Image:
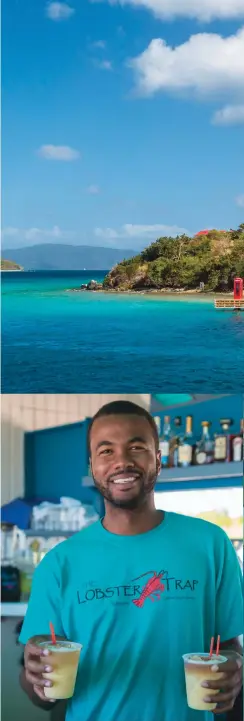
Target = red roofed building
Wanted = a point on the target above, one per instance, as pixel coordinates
(205, 232)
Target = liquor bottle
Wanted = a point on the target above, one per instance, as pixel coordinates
(186, 445)
(220, 447)
(237, 445)
(225, 425)
(157, 421)
(164, 442)
(175, 442)
(204, 452)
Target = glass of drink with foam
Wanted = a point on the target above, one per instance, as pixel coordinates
(197, 670)
(64, 659)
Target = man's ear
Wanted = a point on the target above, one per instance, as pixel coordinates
(158, 462)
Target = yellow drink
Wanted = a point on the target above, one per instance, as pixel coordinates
(197, 670)
(64, 659)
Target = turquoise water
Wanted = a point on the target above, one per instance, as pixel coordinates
(59, 342)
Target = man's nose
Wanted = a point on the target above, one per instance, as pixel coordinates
(123, 459)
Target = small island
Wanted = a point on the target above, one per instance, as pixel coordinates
(10, 265)
(202, 265)
(206, 263)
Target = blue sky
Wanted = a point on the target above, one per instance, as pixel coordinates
(121, 123)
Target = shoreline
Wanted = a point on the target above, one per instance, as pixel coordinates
(162, 294)
(11, 270)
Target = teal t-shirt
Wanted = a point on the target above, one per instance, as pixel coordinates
(137, 604)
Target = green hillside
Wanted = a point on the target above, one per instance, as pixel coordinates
(9, 265)
(183, 263)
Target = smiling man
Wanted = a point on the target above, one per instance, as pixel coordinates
(137, 589)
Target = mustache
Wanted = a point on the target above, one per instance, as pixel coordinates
(125, 472)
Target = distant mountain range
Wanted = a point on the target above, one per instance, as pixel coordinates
(50, 256)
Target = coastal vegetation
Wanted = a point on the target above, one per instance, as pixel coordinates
(213, 258)
(9, 265)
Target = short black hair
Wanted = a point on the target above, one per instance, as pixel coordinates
(123, 408)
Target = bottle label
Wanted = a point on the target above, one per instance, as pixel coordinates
(157, 420)
(237, 449)
(164, 448)
(176, 457)
(185, 454)
(201, 457)
(220, 449)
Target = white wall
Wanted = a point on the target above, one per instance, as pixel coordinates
(12, 461)
(30, 412)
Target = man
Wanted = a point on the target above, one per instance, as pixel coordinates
(138, 590)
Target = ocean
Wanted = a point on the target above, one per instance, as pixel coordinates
(60, 342)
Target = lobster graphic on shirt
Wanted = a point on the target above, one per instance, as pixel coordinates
(152, 589)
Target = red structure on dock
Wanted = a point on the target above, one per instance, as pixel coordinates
(237, 303)
(238, 288)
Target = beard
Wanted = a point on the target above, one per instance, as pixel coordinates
(146, 487)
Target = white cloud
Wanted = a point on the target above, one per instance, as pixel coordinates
(59, 11)
(108, 233)
(240, 201)
(205, 65)
(229, 115)
(139, 231)
(58, 152)
(205, 10)
(93, 189)
(133, 231)
(100, 44)
(105, 65)
(37, 233)
(54, 232)
(9, 232)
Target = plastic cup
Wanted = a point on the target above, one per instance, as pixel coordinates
(197, 670)
(64, 659)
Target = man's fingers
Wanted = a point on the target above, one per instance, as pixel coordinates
(35, 650)
(37, 680)
(223, 709)
(229, 666)
(38, 667)
(39, 692)
(224, 683)
(221, 698)
(41, 695)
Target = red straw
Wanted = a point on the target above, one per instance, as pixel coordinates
(211, 647)
(218, 643)
(52, 633)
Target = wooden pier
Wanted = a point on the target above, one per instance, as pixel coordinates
(229, 304)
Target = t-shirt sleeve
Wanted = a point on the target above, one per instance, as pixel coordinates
(45, 601)
(229, 597)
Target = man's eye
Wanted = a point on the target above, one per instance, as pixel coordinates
(105, 452)
(137, 448)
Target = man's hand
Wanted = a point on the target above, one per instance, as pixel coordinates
(35, 666)
(229, 685)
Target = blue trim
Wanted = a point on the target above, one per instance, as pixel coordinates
(197, 485)
(225, 406)
(85, 421)
(48, 448)
(214, 471)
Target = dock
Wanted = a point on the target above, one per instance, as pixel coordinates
(229, 304)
